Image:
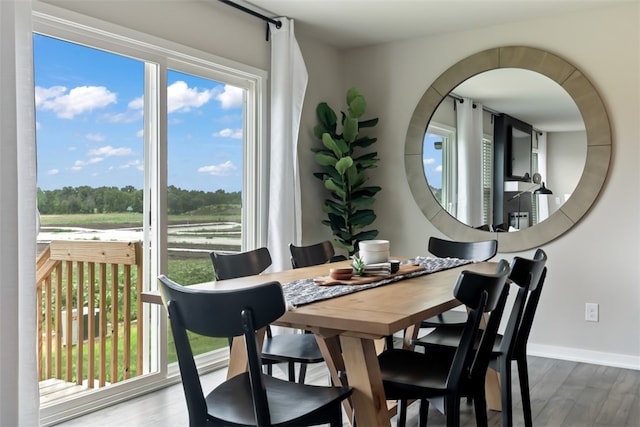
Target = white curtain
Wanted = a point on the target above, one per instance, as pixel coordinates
(542, 200)
(19, 397)
(288, 85)
(469, 135)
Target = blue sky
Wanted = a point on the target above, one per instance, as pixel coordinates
(89, 122)
(432, 160)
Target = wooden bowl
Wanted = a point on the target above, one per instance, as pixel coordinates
(341, 273)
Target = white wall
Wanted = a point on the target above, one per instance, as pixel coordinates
(598, 260)
(566, 155)
(208, 26)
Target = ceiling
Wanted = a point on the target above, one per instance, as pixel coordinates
(357, 23)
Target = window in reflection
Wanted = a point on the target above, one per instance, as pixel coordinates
(439, 160)
(487, 179)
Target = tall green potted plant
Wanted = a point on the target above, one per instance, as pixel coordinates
(343, 171)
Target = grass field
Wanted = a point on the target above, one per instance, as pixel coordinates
(129, 219)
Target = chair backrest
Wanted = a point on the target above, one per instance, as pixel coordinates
(522, 336)
(221, 313)
(231, 266)
(525, 274)
(478, 251)
(481, 293)
(304, 256)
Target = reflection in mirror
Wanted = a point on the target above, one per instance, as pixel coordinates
(519, 150)
(487, 139)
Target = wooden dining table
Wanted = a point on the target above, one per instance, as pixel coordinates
(350, 328)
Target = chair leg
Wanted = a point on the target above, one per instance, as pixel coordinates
(291, 367)
(402, 413)
(423, 414)
(480, 407)
(452, 410)
(523, 374)
(303, 373)
(507, 400)
(388, 342)
(337, 420)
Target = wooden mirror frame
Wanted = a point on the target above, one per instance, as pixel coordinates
(597, 162)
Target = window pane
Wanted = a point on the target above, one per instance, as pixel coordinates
(205, 176)
(433, 160)
(90, 179)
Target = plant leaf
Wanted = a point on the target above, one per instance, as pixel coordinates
(368, 123)
(327, 116)
(344, 164)
(353, 93)
(365, 235)
(364, 142)
(362, 202)
(331, 186)
(357, 106)
(353, 177)
(366, 191)
(336, 220)
(328, 142)
(350, 129)
(363, 217)
(325, 160)
(333, 207)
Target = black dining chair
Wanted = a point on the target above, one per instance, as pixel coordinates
(444, 376)
(281, 348)
(477, 251)
(305, 256)
(252, 398)
(528, 276)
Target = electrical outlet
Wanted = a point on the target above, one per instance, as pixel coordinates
(591, 312)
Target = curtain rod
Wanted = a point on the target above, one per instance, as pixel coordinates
(275, 22)
(487, 109)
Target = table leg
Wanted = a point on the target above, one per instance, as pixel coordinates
(238, 363)
(330, 348)
(363, 374)
(492, 390)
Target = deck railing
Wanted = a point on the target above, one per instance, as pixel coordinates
(89, 298)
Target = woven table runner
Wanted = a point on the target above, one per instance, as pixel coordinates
(306, 291)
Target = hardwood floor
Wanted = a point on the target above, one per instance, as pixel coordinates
(563, 394)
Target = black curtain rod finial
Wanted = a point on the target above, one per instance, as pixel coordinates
(277, 23)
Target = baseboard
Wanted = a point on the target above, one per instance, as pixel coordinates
(585, 356)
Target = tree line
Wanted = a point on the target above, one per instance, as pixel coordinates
(85, 199)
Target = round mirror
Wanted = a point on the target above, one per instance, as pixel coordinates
(524, 137)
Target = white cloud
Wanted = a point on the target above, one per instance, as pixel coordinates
(53, 172)
(95, 160)
(133, 164)
(231, 97)
(140, 133)
(182, 98)
(219, 170)
(109, 151)
(428, 161)
(95, 137)
(229, 133)
(78, 100)
(78, 165)
(439, 168)
(42, 94)
(136, 104)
